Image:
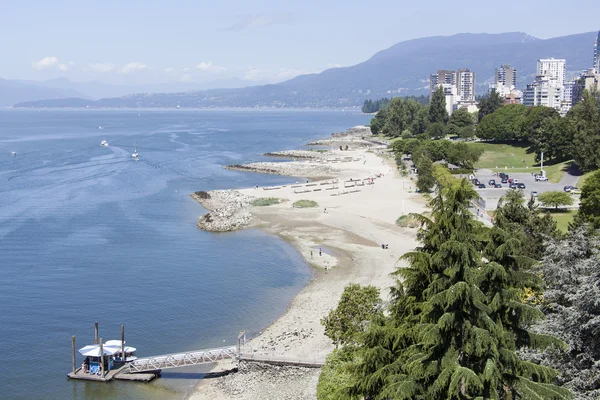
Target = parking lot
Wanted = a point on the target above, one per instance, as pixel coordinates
(491, 195)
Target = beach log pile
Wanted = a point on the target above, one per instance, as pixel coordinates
(296, 154)
(288, 168)
(229, 210)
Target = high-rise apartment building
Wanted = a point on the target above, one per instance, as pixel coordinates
(544, 91)
(506, 76)
(553, 68)
(465, 82)
(597, 54)
(443, 77)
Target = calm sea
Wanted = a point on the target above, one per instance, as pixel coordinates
(87, 234)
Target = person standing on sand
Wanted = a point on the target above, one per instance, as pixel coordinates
(325, 210)
(319, 251)
(311, 254)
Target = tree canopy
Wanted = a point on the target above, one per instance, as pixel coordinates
(555, 199)
(437, 107)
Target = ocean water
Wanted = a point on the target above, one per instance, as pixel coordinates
(87, 234)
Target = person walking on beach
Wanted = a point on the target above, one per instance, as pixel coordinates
(319, 251)
(325, 210)
(311, 254)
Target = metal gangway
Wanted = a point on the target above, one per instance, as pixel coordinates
(183, 359)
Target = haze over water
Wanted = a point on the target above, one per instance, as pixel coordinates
(87, 234)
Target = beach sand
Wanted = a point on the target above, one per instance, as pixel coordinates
(349, 229)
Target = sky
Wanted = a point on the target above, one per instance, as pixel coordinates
(152, 41)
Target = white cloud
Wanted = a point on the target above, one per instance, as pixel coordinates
(209, 67)
(51, 62)
(133, 67)
(185, 78)
(186, 70)
(169, 70)
(102, 68)
(260, 20)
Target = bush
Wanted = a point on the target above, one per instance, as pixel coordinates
(265, 201)
(407, 221)
(305, 204)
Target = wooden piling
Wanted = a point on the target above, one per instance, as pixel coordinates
(73, 353)
(123, 343)
(102, 358)
(95, 332)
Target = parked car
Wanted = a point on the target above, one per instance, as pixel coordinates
(515, 181)
(512, 186)
(575, 191)
(476, 182)
(541, 178)
(482, 186)
(504, 180)
(502, 175)
(521, 185)
(568, 188)
(498, 186)
(492, 182)
(534, 194)
(511, 180)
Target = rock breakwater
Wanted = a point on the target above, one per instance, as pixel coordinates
(291, 168)
(297, 154)
(229, 210)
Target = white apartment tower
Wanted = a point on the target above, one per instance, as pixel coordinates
(506, 76)
(554, 68)
(597, 54)
(465, 82)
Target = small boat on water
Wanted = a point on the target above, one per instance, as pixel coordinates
(13, 153)
(104, 143)
(100, 127)
(135, 154)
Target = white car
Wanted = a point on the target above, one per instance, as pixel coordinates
(541, 178)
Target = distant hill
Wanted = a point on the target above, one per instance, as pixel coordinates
(97, 90)
(12, 92)
(402, 69)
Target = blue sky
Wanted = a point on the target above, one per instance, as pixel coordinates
(151, 41)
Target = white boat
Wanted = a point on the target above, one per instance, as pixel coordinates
(135, 154)
(13, 153)
(104, 143)
(100, 127)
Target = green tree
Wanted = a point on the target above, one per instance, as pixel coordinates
(461, 118)
(585, 117)
(466, 132)
(589, 206)
(437, 107)
(490, 103)
(337, 379)
(503, 124)
(571, 305)
(359, 304)
(525, 222)
(555, 199)
(424, 165)
(436, 130)
(464, 155)
(444, 337)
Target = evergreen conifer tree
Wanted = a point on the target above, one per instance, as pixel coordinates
(446, 338)
(437, 107)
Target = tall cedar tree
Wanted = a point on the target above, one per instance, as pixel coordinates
(437, 107)
(589, 207)
(444, 338)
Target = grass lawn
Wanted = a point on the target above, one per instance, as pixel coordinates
(563, 218)
(514, 158)
(305, 204)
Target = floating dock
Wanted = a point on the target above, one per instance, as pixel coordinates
(119, 374)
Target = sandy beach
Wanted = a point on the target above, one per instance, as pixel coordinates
(341, 239)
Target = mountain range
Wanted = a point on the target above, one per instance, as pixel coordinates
(402, 69)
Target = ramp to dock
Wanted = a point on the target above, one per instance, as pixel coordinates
(182, 359)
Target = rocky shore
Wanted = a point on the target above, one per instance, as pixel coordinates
(265, 381)
(292, 168)
(229, 210)
(355, 131)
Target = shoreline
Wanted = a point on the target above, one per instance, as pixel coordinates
(341, 240)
